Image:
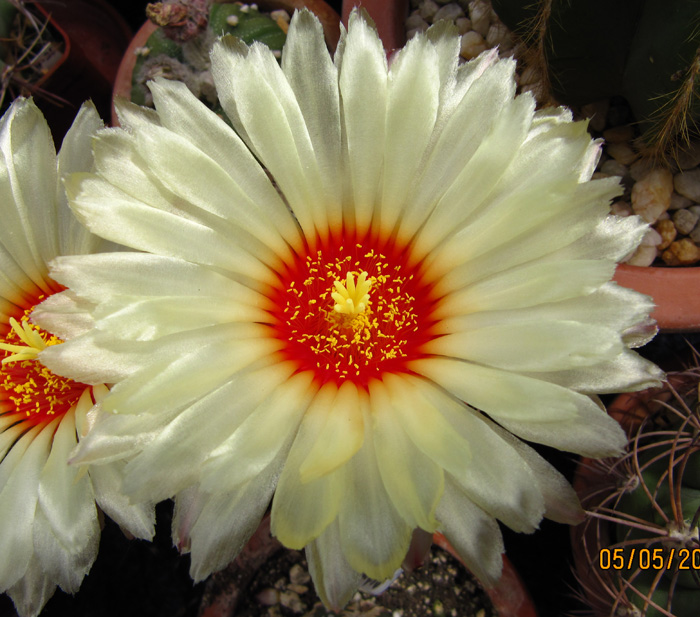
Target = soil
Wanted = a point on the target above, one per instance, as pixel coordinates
(440, 587)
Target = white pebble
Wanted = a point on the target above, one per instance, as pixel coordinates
(687, 183)
(245, 8)
(479, 14)
(448, 12)
(142, 51)
(622, 152)
(416, 22)
(472, 45)
(651, 238)
(614, 168)
(651, 195)
(464, 25)
(640, 167)
(644, 256)
(232, 20)
(621, 208)
(428, 9)
(499, 35)
(277, 53)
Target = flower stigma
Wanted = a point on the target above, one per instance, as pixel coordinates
(352, 310)
(26, 385)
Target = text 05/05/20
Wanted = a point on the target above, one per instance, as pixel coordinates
(632, 558)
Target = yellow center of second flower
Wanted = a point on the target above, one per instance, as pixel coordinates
(26, 385)
(352, 310)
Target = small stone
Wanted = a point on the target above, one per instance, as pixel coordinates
(695, 234)
(464, 24)
(472, 45)
(298, 575)
(681, 253)
(411, 33)
(678, 202)
(687, 183)
(695, 210)
(498, 36)
(479, 14)
(619, 134)
(428, 9)
(529, 76)
(621, 208)
(292, 601)
(689, 157)
(300, 589)
(597, 112)
(651, 195)
(667, 230)
(142, 51)
(268, 597)
(685, 221)
(651, 238)
(640, 168)
(622, 152)
(416, 22)
(644, 256)
(614, 168)
(448, 12)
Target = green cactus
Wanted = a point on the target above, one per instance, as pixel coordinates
(645, 50)
(650, 513)
(179, 49)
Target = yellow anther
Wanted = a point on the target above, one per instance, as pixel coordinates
(351, 298)
(33, 343)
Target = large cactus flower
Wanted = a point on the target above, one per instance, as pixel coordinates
(352, 305)
(49, 525)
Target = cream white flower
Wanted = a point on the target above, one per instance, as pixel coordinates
(363, 336)
(49, 527)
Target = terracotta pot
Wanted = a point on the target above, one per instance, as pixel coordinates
(95, 39)
(330, 21)
(676, 292)
(509, 597)
(388, 15)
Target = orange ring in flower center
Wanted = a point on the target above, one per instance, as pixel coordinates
(352, 309)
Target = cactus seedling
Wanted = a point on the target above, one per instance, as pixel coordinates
(179, 48)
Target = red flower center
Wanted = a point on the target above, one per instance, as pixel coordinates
(352, 309)
(27, 387)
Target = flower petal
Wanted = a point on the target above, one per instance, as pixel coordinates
(373, 535)
(363, 70)
(473, 533)
(334, 579)
(303, 508)
(413, 480)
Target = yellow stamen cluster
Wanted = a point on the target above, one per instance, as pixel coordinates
(352, 299)
(30, 386)
(329, 310)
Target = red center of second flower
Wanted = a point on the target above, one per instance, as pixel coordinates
(352, 309)
(27, 387)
